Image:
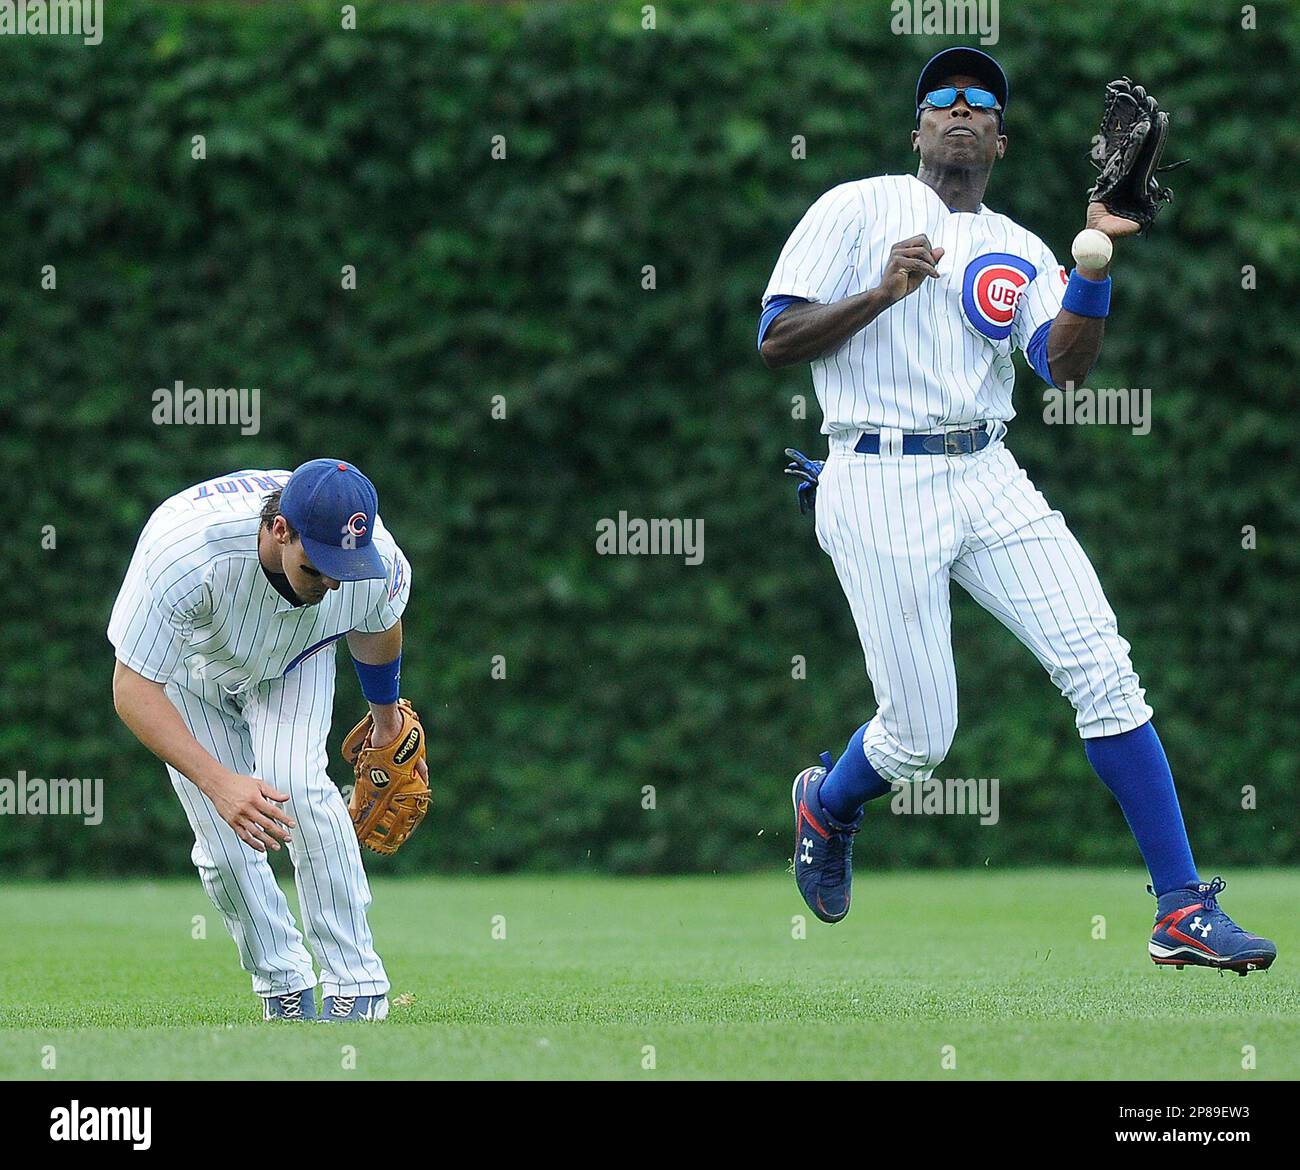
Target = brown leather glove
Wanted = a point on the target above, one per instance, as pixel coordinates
(389, 798)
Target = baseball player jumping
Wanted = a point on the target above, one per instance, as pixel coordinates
(907, 295)
(225, 630)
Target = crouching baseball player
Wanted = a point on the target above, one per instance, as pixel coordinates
(907, 295)
(225, 631)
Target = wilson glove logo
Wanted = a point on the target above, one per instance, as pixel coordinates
(378, 777)
(410, 745)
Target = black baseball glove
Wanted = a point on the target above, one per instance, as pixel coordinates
(1133, 133)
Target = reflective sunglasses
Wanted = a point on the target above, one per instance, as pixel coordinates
(947, 95)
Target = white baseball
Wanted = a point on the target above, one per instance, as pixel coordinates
(1092, 249)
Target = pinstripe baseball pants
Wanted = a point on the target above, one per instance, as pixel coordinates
(900, 527)
(279, 735)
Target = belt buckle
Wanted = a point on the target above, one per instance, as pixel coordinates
(952, 442)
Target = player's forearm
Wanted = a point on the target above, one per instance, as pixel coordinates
(1074, 340)
(376, 649)
(144, 707)
(1073, 346)
(807, 331)
(379, 650)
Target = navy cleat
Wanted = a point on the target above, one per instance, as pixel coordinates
(294, 1005)
(823, 847)
(354, 1007)
(1191, 928)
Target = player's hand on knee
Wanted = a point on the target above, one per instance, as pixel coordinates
(249, 806)
(910, 262)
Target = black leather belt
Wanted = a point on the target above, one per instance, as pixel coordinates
(947, 443)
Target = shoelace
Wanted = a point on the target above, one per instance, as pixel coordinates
(1210, 895)
(837, 852)
(1210, 900)
(291, 1004)
(343, 1005)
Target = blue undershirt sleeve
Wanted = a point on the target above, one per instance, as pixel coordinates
(773, 309)
(1036, 352)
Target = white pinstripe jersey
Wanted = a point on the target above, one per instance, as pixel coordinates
(942, 355)
(197, 609)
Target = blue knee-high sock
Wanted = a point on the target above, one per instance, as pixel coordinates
(852, 782)
(1133, 766)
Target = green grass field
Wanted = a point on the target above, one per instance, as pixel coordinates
(594, 973)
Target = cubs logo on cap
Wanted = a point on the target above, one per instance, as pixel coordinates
(332, 506)
(991, 289)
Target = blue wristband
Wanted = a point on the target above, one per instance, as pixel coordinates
(379, 684)
(1087, 298)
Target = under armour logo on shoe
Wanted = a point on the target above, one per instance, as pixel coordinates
(1204, 928)
(806, 855)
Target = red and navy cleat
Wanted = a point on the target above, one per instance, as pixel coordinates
(823, 848)
(1190, 928)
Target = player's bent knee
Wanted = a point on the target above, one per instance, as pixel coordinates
(920, 765)
(915, 757)
(1111, 713)
(1106, 704)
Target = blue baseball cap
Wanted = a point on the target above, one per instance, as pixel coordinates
(962, 60)
(333, 506)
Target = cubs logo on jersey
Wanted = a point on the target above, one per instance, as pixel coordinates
(991, 289)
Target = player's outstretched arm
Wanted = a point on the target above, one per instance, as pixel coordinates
(1123, 202)
(380, 650)
(245, 803)
(803, 332)
(1073, 345)
(1074, 341)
